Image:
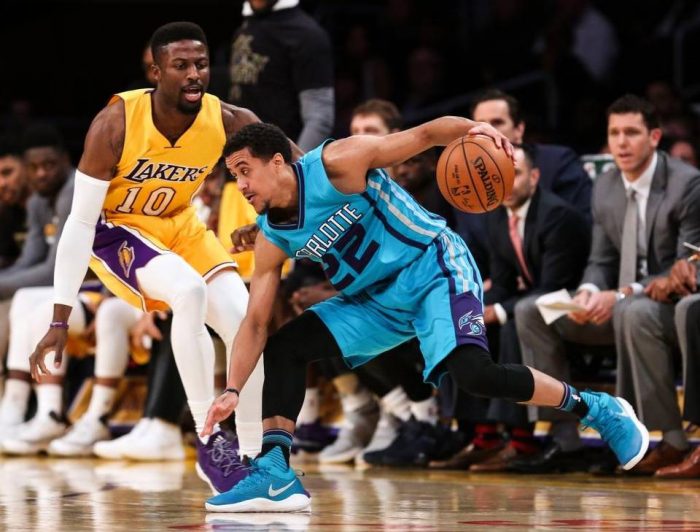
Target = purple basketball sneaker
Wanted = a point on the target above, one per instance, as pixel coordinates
(218, 463)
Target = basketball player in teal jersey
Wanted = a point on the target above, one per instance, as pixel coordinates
(401, 273)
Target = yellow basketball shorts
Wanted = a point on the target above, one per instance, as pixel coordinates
(125, 243)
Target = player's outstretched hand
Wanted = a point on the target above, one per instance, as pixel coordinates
(243, 238)
(54, 340)
(221, 408)
(499, 139)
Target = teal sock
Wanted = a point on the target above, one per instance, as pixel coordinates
(277, 438)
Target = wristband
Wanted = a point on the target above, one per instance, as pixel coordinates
(232, 390)
(58, 325)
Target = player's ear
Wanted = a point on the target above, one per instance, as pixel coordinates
(155, 70)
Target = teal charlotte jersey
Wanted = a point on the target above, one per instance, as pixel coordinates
(400, 271)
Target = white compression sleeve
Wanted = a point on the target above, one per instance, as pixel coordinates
(75, 246)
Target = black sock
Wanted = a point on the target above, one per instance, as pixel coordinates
(573, 402)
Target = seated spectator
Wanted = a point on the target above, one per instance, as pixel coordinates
(14, 192)
(643, 210)
(561, 171)
(683, 282)
(50, 177)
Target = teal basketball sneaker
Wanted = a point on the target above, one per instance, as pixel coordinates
(271, 486)
(615, 420)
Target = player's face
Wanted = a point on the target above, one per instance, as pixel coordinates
(371, 124)
(414, 173)
(182, 74)
(11, 179)
(631, 143)
(255, 177)
(497, 113)
(525, 182)
(47, 169)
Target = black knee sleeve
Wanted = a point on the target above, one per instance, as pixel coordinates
(475, 372)
(286, 355)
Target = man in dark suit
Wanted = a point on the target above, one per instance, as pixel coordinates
(531, 252)
(561, 171)
(643, 211)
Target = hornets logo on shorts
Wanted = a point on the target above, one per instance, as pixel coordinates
(475, 323)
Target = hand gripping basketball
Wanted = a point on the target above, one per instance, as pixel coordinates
(474, 174)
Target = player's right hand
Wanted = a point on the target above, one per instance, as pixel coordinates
(54, 340)
(243, 238)
(221, 408)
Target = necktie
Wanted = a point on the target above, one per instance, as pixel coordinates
(518, 245)
(628, 253)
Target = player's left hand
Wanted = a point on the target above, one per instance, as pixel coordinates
(499, 139)
(221, 408)
(54, 340)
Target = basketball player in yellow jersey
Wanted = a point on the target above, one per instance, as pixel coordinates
(146, 155)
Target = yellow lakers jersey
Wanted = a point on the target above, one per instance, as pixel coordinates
(235, 212)
(154, 177)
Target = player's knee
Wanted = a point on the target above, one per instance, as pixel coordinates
(476, 373)
(472, 369)
(191, 293)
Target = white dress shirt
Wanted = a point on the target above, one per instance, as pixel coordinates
(521, 212)
(641, 187)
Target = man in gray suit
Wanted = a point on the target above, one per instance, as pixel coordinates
(643, 211)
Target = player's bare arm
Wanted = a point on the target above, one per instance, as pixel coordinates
(348, 160)
(103, 146)
(104, 143)
(252, 335)
(237, 117)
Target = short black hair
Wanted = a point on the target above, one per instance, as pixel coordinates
(529, 151)
(176, 31)
(631, 103)
(498, 94)
(263, 141)
(9, 147)
(42, 135)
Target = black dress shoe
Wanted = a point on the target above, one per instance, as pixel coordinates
(551, 460)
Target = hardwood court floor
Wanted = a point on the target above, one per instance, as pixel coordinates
(76, 495)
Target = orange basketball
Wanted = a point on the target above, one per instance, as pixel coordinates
(474, 175)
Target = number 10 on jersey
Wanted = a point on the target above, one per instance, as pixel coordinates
(155, 205)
